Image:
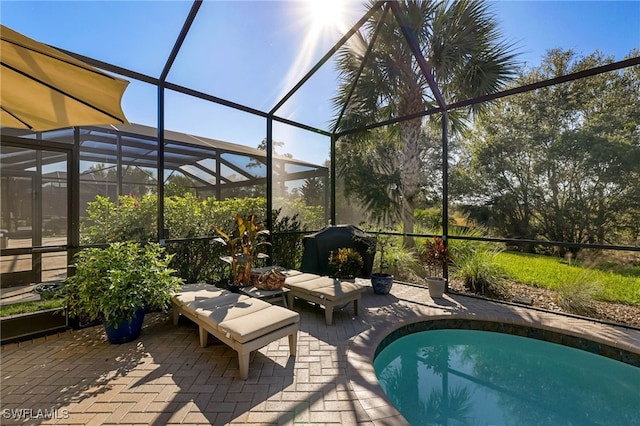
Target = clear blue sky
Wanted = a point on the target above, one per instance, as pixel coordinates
(253, 52)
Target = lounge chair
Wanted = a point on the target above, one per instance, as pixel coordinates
(322, 290)
(243, 323)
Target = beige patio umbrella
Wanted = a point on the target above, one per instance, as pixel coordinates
(42, 88)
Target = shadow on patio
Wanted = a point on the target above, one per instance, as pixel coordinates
(165, 377)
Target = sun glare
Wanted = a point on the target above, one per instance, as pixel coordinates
(324, 22)
(326, 13)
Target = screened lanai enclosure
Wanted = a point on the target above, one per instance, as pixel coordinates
(123, 159)
(116, 161)
(381, 114)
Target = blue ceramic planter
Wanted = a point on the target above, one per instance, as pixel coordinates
(381, 283)
(127, 330)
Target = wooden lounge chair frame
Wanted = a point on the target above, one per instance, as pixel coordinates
(322, 290)
(244, 349)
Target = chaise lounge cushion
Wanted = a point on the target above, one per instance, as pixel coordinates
(191, 292)
(325, 291)
(258, 323)
(335, 291)
(293, 278)
(216, 314)
(244, 323)
(313, 283)
(323, 287)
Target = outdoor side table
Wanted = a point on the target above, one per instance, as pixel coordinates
(267, 295)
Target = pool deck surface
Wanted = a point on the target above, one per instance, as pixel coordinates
(165, 377)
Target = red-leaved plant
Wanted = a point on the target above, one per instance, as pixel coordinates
(436, 254)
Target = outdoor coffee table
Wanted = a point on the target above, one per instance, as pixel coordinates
(266, 295)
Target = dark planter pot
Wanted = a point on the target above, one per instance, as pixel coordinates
(381, 283)
(126, 330)
(32, 325)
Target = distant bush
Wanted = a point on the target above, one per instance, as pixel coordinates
(188, 217)
(429, 218)
(474, 262)
(577, 295)
(286, 239)
(310, 218)
(128, 220)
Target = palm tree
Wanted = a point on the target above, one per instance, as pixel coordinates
(381, 79)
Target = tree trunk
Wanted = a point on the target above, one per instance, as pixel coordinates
(410, 170)
(408, 222)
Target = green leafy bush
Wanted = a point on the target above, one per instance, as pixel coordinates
(130, 220)
(187, 217)
(286, 239)
(391, 256)
(311, 218)
(429, 218)
(113, 283)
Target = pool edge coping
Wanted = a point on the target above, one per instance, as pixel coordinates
(363, 380)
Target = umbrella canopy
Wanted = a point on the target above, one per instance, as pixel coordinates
(43, 88)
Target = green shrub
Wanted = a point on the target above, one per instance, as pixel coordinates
(311, 218)
(402, 260)
(286, 239)
(429, 218)
(113, 283)
(187, 217)
(130, 220)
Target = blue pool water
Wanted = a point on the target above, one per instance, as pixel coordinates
(460, 377)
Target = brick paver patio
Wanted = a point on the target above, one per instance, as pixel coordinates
(166, 378)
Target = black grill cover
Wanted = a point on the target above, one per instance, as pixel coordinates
(318, 246)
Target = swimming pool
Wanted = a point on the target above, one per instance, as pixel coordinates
(462, 376)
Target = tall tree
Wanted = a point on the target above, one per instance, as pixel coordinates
(462, 45)
(562, 162)
(312, 191)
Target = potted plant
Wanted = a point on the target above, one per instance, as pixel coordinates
(117, 283)
(243, 244)
(345, 263)
(390, 256)
(435, 257)
(382, 279)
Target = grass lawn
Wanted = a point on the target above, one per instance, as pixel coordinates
(26, 307)
(619, 283)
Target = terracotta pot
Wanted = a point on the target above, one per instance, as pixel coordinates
(436, 286)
